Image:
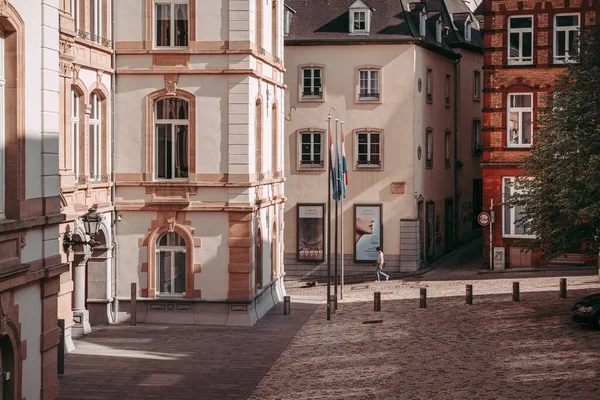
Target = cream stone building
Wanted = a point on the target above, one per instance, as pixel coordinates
(199, 161)
(404, 77)
(85, 162)
(29, 199)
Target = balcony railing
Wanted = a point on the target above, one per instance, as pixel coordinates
(93, 38)
(262, 51)
(277, 60)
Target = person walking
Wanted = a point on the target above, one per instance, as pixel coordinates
(379, 264)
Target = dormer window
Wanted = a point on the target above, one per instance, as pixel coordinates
(287, 19)
(438, 30)
(422, 22)
(360, 18)
(468, 30)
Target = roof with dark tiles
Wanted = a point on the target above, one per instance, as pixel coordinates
(392, 21)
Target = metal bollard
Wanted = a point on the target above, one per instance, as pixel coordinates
(133, 303)
(469, 299)
(61, 347)
(332, 303)
(423, 301)
(563, 288)
(377, 301)
(286, 305)
(516, 291)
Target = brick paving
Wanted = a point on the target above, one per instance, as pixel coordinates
(493, 349)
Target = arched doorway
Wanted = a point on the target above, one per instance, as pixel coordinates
(274, 252)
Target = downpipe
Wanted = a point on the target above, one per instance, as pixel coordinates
(115, 252)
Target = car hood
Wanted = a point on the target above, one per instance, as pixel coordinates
(589, 300)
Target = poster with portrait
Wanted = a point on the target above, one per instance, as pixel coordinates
(310, 244)
(368, 232)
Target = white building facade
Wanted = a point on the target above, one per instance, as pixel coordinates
(199, 160)
(29, 199)
(390, 72)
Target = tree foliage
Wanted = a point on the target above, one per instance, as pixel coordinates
(561, 194)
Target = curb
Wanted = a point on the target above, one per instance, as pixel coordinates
(540, 269)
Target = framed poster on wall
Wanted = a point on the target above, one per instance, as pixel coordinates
(368, 232)
(310, 235)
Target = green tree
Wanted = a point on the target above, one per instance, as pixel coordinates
(560, 197)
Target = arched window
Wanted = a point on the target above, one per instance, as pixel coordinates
(2, 116)
(259, 23)
(275, 29)
(171, 116)
(75, 103)
(170, 264)
(275, 141)
(95, 137)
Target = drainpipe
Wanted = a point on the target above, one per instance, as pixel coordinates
(456, 110)
(112, 164)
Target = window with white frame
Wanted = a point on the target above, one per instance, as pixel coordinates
(447, 91)
(95, 137)
(170, 265)
(512, 216)
(520, 114)
(447, 144)
(476, 85)
(171, 23)
(75, 13)
(172, 140)
(520, 40)
(312, 83)
(422, 24)
(368, 84)
(311, 149)
(368, 149)
(96, 20)
(566, 35)
(468, 26)
(429, 148)
(476, 135)
(438, 30)
(359, 21)
(429, 86)
(75, 133)
(287, 18)
(2, 128)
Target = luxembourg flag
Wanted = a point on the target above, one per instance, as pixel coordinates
(334, 174)
(344, 177)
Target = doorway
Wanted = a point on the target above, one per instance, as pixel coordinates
(448, 225)
(429, 230)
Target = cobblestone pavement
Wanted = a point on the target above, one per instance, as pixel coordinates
(178, 362)
(493, 349)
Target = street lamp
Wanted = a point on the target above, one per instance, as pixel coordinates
(91, 221)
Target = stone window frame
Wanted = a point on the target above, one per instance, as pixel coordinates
(275, 29)
(429, 86)
(84, 95)
(476, 137)
(422, 23)
(476, 85)
(447, 148)
(150, 26)
(311, 167)
(95, 137)
(14, 122)
(172, 249)
(312, 98)
(468, 30)
(447, 90)
(275, 171)
(150, 167)
(429, 148)
(368, 167)
(152, 243)
(370, 99)
(174, 123)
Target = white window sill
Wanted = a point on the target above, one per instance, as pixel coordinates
(564, 61)
(518, 146)
(519, 62)
(170, 48)
(507, 236)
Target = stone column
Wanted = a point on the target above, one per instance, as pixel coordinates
(80, 314)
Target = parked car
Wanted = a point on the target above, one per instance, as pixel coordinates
(587, 310)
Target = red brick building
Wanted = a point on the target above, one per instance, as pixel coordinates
(526, 45)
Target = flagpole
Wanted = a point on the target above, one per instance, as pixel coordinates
(337, 186)
(329, 175)
(342, 223)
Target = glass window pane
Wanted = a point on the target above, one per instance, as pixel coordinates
(164, 271)
(523, 22)
(306, 72)
(179, 278)
(560, 43)
(317, 73)
(163, 24)
(573, 45)
(519, 214)
(514, 45)
(181, 156)
(181, 25)
(526, 127)
(163, 146)
(527, 45)
(305, 138)
(172, 108)
(567, 20)
(513, 127)
(362, 138)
